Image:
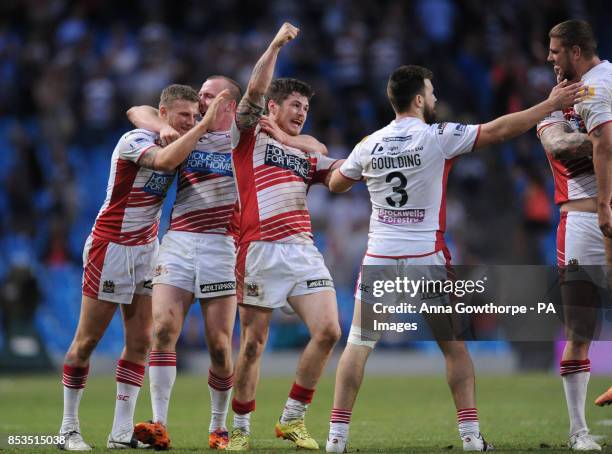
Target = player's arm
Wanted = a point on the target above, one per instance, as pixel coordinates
(147, 117)
(602, 162)
(514, 124)
(170, 157)
(302, 142)
(562, 142)
(251, 106)
(338, 182)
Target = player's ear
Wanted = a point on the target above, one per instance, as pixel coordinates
(163, 111)
(272, 107)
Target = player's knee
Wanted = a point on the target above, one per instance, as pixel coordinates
(253, 348)
(328, 335)
(165, 334)
(453, 348)
(81, 349)
(219, 354)
(362, 337)
(139, 345)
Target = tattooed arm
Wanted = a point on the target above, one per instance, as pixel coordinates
(252, 105)
(562, 142)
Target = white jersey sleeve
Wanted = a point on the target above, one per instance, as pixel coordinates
(455, 139)
(134, 144)
(555, 117)
(596, 109)
(352, 168)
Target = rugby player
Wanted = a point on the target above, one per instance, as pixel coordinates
(573, 52)
(579, 241)
(277, 262)
(406, 165)
(117, 262)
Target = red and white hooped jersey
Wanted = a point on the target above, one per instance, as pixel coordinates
(272, 181)
(574, 178)
(206, 192)
(406, 165)
(134, 195)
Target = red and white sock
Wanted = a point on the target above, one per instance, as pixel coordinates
(162, 374)
(575, 375)
(242, 414)
(129, 378)
(220, 392)
(74, 380)
(297, 403)
(467, 422)
(339, 423)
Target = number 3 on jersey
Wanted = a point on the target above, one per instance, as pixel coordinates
(399, 189)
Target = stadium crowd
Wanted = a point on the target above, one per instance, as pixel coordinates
(70, 69)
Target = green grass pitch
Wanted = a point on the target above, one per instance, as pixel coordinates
(393, 414)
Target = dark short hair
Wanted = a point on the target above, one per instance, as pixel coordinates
(280, 89)
(404, 84)
(175, 91)
(233, 86)
(576, 33)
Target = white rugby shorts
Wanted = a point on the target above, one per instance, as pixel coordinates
(200, 263)
(114, 272)
(268, 273)
(581, 242)
(433, 266)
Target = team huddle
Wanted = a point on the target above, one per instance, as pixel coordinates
(240, 238)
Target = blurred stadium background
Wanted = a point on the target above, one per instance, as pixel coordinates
(70, 69)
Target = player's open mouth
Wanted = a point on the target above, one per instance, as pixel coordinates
(296, 123)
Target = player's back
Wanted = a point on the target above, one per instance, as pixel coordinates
(406, 165)
(206, 190)
(134, 194)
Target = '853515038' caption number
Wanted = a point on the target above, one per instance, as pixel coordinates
(29, 440)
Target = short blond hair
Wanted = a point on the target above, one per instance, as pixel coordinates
(176, 91)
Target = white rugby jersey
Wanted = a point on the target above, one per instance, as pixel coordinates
(134, 195)
(574, 178)
(406, 165)
(596, 110)
(272, 181)
(206, 191)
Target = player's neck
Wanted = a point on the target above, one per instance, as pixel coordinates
(410, 114)
(586, 65)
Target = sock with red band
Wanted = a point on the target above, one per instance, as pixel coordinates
(575, 375)
(467, 422)
(339, 423)
(220, 392)
(129, 378)
(162, 374)
(297, 403)
(74, 380)
(242, 414)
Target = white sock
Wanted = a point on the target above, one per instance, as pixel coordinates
(125, 404)
(219, 405)
(575, 386)
(162, 380)
(243, 422)
(338, 430)
(72, 399)
(468, 428)
(294, 409)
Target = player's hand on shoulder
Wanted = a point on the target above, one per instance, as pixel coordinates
(270, 127)
(564, 95)
(167, 135)
(286, 33)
